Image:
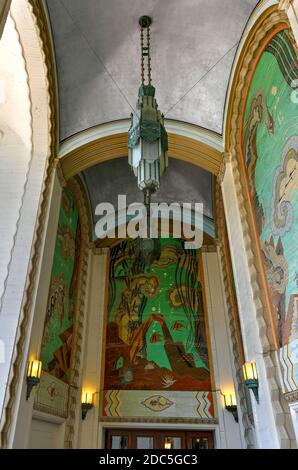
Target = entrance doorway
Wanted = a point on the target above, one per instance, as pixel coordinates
(158, 439)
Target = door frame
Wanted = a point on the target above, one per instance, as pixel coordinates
(103, 426)
(158, 435)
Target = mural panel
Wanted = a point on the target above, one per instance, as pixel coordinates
(156, 338)
(270, 148)
(59, 323)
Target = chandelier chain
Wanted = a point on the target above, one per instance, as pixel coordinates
(145, 53)
(142, 57)
(149, 56)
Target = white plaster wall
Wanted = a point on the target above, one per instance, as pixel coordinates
(46, 432)
(230, 433)
(294, 416)
(15, 155)
(15, 143)
(31, 183)
(266, 432)
(24, 409)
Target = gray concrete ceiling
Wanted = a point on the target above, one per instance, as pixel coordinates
(182, 182)
(97, 53)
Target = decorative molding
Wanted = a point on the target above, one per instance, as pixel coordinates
(291, 397)
(59, 173)
(39, 18)
(226, 157)
(158, 420)
(100, 251)
(284, 5)
(81, 153)
(245, 56)
(208, 248)
(270, 23)
(172, 126)
(77, 362)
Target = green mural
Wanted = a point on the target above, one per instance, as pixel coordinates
(156, 335)
(270, 149)
(58, 330)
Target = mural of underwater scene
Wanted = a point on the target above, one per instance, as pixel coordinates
(156, 338)
(270, 149)
(59, 322)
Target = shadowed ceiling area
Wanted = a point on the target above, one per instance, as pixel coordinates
(98, 58)
(182, 182)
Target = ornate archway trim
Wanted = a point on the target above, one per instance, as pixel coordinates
(269, 23)
(242, 62)
(94, 147)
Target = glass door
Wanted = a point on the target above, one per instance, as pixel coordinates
(158, 439)
(172, 440)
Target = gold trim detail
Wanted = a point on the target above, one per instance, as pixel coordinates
(115, 146)
(291, 397)
(226, 157)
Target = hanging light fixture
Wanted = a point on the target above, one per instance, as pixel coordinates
(147, 137)
(147, 144)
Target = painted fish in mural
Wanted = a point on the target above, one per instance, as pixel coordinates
(177, 326)
(270, 123)
(118, 363)
(126, 377)
(150, 366)
(156, 338)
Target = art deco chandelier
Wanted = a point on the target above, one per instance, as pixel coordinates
(147, 144)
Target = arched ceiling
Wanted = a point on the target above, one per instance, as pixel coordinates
(181, 183)
(97, 53)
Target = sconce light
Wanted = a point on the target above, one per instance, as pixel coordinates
(231, 405)
(87, 403)
(33, 376)
(251, 378)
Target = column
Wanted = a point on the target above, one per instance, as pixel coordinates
(231, 433)
(93, 368)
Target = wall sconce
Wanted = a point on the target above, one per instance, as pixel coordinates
(251, 378)
(33, 376)
(87, 403)
(231, 405)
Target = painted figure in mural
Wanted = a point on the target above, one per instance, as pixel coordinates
(155, 333)
(270, 148)
(58, 330)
